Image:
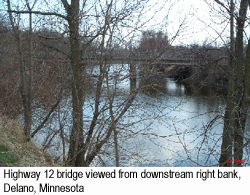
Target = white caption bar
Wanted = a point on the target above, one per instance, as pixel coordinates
(125, 180)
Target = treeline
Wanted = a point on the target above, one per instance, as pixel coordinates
(49, 70)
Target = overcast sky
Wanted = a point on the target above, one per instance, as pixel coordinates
(200, 23)
(191, 20)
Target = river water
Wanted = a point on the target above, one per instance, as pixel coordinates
(183, 127)
(174, 124)
(169, 124)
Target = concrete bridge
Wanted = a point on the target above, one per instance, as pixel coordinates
(144, 60)
(166, 61)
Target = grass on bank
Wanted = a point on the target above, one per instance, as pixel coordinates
(7, 157)
(14, 151)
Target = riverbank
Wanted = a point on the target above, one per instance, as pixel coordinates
(14, 151)
(214, 76)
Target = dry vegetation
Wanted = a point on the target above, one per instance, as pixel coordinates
(15, 151)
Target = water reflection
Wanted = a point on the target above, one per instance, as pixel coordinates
(187, 125)
(153, 85)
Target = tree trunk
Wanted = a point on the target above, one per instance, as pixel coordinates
(236, 110)
(76, 154)
(227, 137)
(239, 125)
(26, 73)
(132, 74)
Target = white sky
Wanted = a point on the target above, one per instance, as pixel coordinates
(198, 26)
(199, 22)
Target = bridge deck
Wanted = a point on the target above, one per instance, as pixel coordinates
(152, 61)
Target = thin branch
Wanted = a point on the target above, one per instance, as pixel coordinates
(46, 118)
(56, 49)
(222, 4)
(38, 12)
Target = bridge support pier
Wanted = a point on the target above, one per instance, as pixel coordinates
(132, 75)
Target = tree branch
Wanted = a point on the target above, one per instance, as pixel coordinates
(38, 12)
(45, 119)
(222, 4)
(66, 5)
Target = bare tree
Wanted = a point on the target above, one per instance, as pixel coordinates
(25, 69)
(237, 103)
(85, 143)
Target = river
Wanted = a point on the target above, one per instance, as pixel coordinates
(169, 124)
(183, 127)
